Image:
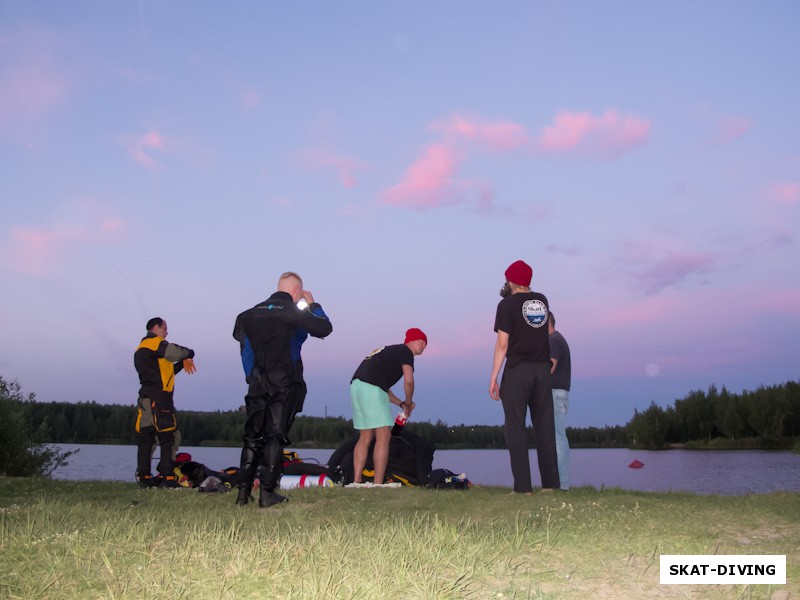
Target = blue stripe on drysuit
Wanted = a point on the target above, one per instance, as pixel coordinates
(301, 335)
(248, 357)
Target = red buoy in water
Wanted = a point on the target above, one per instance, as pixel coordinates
(636, 465)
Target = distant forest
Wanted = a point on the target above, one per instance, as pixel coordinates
(768, 417)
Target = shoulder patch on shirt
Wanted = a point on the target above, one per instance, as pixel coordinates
(534, 312)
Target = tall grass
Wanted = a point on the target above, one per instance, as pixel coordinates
(110, 540)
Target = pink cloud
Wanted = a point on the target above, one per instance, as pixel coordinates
(655, 269)
(35, 250)
(153, 139)
(31, 83)
(673, 269)
(487, 204)
(429, 182)
(141, 148)
(784, 193)
(607, 136)
(31, 249)
(346, 166)
(148, 149)
(499, 136)
(731, 128)
(349, 210)
(112, 225)
(432, 180)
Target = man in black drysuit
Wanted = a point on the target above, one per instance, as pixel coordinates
(265, 333)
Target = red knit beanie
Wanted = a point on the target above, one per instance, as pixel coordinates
(415, 334)
(519, 273)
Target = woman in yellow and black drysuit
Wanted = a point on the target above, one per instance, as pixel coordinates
(157, 362)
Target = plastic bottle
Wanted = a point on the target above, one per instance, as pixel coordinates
(399, 422)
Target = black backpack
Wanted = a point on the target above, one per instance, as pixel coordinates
(445, 479)
(410, 460)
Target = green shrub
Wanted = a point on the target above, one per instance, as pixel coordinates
(21, 452)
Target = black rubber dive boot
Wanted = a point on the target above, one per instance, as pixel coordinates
(271, 459)
(168, 481)
(145, 481)
(267, 499)
(244, 497)
(247, 471)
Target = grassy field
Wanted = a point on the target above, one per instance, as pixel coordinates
(61, 539)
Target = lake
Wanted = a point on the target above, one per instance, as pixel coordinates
(732, 472)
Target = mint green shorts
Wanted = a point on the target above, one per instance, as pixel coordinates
(371, 406)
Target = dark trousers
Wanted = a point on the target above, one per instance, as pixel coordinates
(526, 386)
(297, 398)
(145, 440)
(155, 420)
(266, 402)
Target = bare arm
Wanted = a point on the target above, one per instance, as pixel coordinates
(553, 365)
(500, 349)
(394, 399)
(408, 388)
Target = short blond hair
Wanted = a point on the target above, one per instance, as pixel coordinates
(290, 274)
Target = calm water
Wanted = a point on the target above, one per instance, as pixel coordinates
(708, 472)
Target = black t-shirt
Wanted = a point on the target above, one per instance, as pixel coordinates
(523, 316)
(384, 367)
(559, 349)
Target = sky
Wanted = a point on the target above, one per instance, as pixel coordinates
(172, 159)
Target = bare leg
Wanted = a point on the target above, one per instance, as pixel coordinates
(360, 453)
(380, 455)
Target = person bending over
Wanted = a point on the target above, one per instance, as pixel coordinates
(372, 397)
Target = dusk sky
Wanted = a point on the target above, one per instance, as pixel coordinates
(173, 158)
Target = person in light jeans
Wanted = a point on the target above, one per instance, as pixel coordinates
(561, 374)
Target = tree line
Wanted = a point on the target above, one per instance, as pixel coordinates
(93, 423)
(767, 417)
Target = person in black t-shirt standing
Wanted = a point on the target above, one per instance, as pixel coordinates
(523, 344)
(372, 397)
